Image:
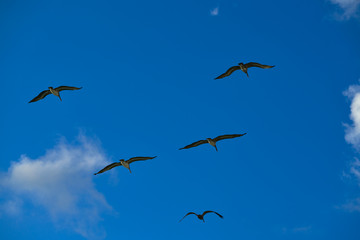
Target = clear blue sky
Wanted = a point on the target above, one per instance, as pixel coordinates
(147, 69)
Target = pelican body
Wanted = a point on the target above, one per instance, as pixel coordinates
(243, 68)
(212, 143)
(125, 164)
(55, 92)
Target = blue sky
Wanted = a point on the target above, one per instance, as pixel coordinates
(147, 70)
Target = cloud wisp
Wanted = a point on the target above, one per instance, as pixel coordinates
(296, 230)
(355, 169)
(349, 7)
(352, 205)
(60, 182)
(214, 11)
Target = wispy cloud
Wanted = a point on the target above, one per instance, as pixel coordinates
(355, 169)
(60, 182)
(302, 229)
(349, 7)
(294, 230)
(214, 11)
(352, 205)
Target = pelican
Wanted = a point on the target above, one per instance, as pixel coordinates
(201, 217)
(55, 91)
(124, 163)
(212, 141)
(243, 67)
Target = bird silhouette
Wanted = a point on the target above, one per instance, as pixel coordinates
(243, 67)
(55, 91)
(124, 163)
(212, 141)
(201, 217)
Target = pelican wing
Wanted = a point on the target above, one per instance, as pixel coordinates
(228, 72)
(254, 64)
(188, 215)
(227, 136)
(41, 96)
(195, 144)
(66, 88)
(108, 167)
(134, 159)
(212, 212)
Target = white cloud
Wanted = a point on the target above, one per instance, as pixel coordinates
(352, 131)
(352, 136)
(349, 7)
(214, 12)
(60, 182)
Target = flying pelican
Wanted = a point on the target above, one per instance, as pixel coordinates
(201, 217)
(243, 67)
(55, 91)
(213, 141)
(124, 163)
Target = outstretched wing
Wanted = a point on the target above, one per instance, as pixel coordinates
(195, 144)
(228, 72)
(41, 96)
(212, 212)
(188, 215)
(66, 88)
(134, 159)
(108, 167)
(254, 64)
(227, 136)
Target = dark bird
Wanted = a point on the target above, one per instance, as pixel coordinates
(213, 141)
(124, 163)
(243, 67)
(55, 91)
(201, 217)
